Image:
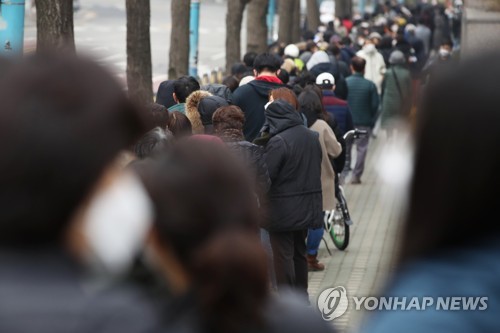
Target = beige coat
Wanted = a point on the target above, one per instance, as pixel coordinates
(330, 147)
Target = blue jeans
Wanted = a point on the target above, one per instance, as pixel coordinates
(266, 244)
(314, 238)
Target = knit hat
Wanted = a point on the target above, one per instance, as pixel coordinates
(397, 58)
(375, 35)
(292, 51)
(318, 57)
(410, 28)
(325, 80)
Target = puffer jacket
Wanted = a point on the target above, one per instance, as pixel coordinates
(200, 107)
(293, 156)
(254, 157)
(218, 90)
(192, 113)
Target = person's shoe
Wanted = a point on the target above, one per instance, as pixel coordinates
(313, 265)
(356, 181)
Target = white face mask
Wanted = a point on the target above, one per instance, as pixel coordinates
(444, 53)
(267, 105)
(117, 222)
(369, 48)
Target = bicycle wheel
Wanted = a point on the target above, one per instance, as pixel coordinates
(339, 231)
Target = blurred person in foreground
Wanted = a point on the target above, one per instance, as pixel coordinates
(62, 125)
(450, 245)
(206, 241)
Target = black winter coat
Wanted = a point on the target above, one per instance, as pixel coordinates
(251, 98)
(293, 156)
(254, 157)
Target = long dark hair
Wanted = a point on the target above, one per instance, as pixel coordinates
(311, 105)
(207, 213)
(454, 191)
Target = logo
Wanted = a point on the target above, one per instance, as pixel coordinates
(332, 303)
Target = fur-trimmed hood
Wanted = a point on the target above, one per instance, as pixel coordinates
(192, 113)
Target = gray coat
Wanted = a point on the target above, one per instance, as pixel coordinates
(44, 292)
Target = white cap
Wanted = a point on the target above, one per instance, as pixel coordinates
(292, 50)
(410, 28)
(325, 79)
(375, 35)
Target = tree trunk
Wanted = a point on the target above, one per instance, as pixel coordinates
(313, 20)
(139, 77)
(54, 23)
(179, 39)
(235, 9)
(343, 8)
(296, 28)
(285, 12)
(257, 26)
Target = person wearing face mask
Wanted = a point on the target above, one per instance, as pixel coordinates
(375, 63)
(63, 123)
(439, 62)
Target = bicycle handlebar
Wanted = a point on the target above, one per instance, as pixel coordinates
(355, 133)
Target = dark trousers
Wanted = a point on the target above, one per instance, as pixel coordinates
(290, 263)
(361, 152)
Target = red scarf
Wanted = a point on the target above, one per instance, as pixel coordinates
(266, 78)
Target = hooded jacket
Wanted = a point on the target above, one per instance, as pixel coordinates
(164, 96)
(207, 108)
(375, 65)
(251, 98)
(192, 113)
(293, 156)
(218, 90)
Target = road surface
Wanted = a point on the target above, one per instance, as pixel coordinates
(100, 31)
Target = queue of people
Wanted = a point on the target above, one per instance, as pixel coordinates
(203, 212)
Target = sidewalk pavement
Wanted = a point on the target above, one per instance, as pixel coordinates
(365, 265)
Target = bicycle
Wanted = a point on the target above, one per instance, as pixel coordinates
(337, 222)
